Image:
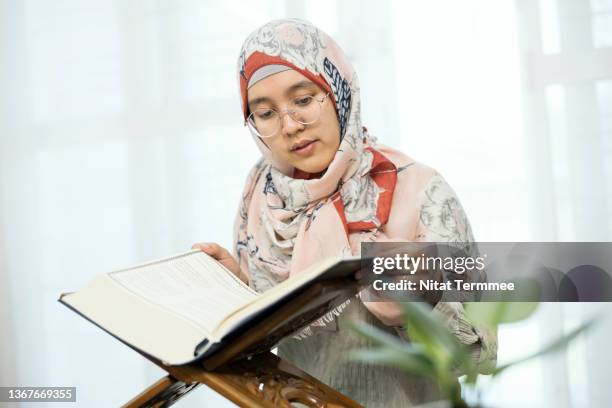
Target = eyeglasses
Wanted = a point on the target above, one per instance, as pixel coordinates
(267, 122)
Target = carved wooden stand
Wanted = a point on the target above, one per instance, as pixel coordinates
(262, 381)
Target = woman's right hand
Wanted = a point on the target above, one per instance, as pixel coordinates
(223, 256)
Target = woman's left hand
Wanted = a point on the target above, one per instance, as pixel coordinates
(389, 312)
(386, 310)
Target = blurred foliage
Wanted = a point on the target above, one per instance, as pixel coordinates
(433, 350)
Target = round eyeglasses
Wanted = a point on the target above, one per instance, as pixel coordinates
(267, 122)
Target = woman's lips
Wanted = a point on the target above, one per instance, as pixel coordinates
(305, 149)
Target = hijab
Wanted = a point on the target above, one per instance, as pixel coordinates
(288, 220)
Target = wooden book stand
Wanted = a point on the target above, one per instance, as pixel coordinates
(263, 380)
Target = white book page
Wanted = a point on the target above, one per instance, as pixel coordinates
(273, 295)
(191, 285)
(139, 323)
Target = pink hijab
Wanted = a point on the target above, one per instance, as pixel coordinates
(288, 220)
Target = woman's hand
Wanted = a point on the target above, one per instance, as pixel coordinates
(223, 256)
(388, 312)
(386, 308)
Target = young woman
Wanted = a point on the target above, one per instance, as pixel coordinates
(322, 187)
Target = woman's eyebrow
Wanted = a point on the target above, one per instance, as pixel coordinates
(257, 101)
(299, 85)
(302, 84)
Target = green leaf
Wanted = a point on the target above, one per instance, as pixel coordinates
(411, 361)
(376, 335)
(556, 345)
(493, 313)
(386, 340)
(426, 328)
(411, 354)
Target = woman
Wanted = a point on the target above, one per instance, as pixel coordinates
(322, 187)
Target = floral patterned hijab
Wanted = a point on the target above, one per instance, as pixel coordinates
(287, 221)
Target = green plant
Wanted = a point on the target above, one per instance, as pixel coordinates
(436, 353)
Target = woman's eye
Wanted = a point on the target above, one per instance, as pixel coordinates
(264, 114)
(303, 100)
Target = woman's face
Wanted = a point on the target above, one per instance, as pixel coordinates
(311, 147)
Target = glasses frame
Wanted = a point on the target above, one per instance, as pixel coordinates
(282, 113)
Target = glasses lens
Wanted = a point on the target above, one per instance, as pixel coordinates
(265, 122)
(305, 109)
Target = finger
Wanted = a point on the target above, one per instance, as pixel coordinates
(202, 246)
(215, 250)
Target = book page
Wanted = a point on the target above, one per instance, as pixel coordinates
(192, 285)
(136, 322)
(273, 295)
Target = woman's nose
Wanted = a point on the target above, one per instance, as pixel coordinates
(290, 126)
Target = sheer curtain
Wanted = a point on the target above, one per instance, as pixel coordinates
(511, 101)
(121, 140)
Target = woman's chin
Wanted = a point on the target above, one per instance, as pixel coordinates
(312, 166)
(315, 162)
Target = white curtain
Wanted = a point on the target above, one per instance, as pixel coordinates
(121, 140)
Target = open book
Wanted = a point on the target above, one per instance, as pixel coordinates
(188, 307)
